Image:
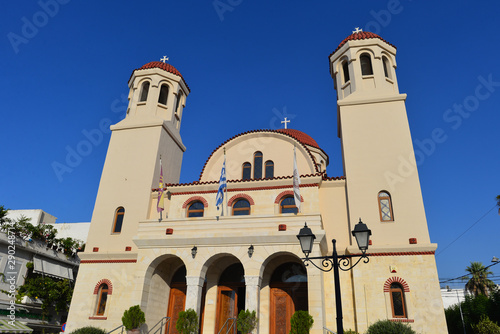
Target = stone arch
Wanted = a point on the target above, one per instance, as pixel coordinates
(286, 193)
(245, 196)
(101, 282)
(195, 198)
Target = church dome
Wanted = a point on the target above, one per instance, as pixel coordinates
(359, 36)
(161, 65)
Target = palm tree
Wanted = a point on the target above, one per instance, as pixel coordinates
(479, 283)
(498, 203)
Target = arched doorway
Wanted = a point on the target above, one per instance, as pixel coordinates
(230, 297)
(177, 298)
(288, 294)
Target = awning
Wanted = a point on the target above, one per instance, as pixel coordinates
(52, 268)
(8, 326)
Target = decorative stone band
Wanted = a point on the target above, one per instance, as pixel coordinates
(286, 193)
(108, 261)
(98, 318)
(400, 253)
(195, 198)
(402, 320)
(238, 196)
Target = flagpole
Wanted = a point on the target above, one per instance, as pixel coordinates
(225, 189)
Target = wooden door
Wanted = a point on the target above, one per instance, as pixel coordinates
(284, 302)
(176, 304)
(227, 300)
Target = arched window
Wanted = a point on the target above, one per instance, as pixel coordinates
(144, 91)
(385, 206)
(102, 297)
(178, 102)
(163, 94)
(385, 62)
(398, 303)
(241, 207)
(287, 205)
(118, 221)
(366, 64)
(345, 70)
(269, 169)
(247, 171)
(257, 165)
(195, 209)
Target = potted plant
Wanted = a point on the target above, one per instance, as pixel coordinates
(301, 322)
(187, 323)
(247, 321)
(133, 318)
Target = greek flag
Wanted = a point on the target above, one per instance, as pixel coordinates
(222, 185)
(296, 182)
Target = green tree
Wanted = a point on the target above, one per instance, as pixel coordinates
(389, 327)
(187, 323)
(479, 283)
(486, 326)
(247, 321)
(301, 322)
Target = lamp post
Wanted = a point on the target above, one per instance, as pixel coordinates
(362, 235)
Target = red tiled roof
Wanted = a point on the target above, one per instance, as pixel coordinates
(359, 36)
(164, 66)
(300, 136)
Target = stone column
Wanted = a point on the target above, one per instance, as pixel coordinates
(193, 293)
(252, 293)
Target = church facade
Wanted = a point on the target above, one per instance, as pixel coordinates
(250, 258)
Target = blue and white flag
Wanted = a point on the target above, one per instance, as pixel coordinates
(296, 182)
(222, 186)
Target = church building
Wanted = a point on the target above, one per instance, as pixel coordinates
(250, 257)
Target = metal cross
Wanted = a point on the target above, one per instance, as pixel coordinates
(164, 59)
(285, 121)
(357, 30)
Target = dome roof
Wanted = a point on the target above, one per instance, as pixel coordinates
(300, 136)
(359, 36)
(164, 66)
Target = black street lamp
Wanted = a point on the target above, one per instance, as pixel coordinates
(362, 235)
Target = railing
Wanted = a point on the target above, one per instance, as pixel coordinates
(230, 324)
(328, 331)
(161, 324)
(117, 328)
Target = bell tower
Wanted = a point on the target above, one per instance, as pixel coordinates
(150, 129)
(382, 181)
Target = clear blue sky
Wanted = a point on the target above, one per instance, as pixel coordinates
(65, 69)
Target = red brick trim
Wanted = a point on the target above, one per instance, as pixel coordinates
(402, 320)
(98, 318)
(400, 253)
(195, 198)
(245, 189)
(101, 282)
(237, 196)
(286, 193)
(108, 261)
(387, 284)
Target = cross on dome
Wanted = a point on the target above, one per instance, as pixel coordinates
(286, 122)
(357, 30)
(164, 59)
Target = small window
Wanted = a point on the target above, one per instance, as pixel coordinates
(102, 297)
(287, 205)
(162, 99)
(144, 91)
(269, 169)
(345, 70)
(385, 206)
(398, 301)
(385, 62)
(257, 165)
(366, 64)
(247, 171)
(241, 207)
(178, 103)
(117, 224)
(196, 209)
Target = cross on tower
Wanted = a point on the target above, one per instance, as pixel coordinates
(286, 122)
(357, 30)
(164, 59)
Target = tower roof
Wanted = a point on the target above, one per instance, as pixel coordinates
(359, 36)
(163, 66)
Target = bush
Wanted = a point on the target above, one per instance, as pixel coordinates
(187, 323)
(301, 322)
(89, 330)
(350, 331)
(133, 318)
(389, 327)
(486, 326)
(247, 321)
